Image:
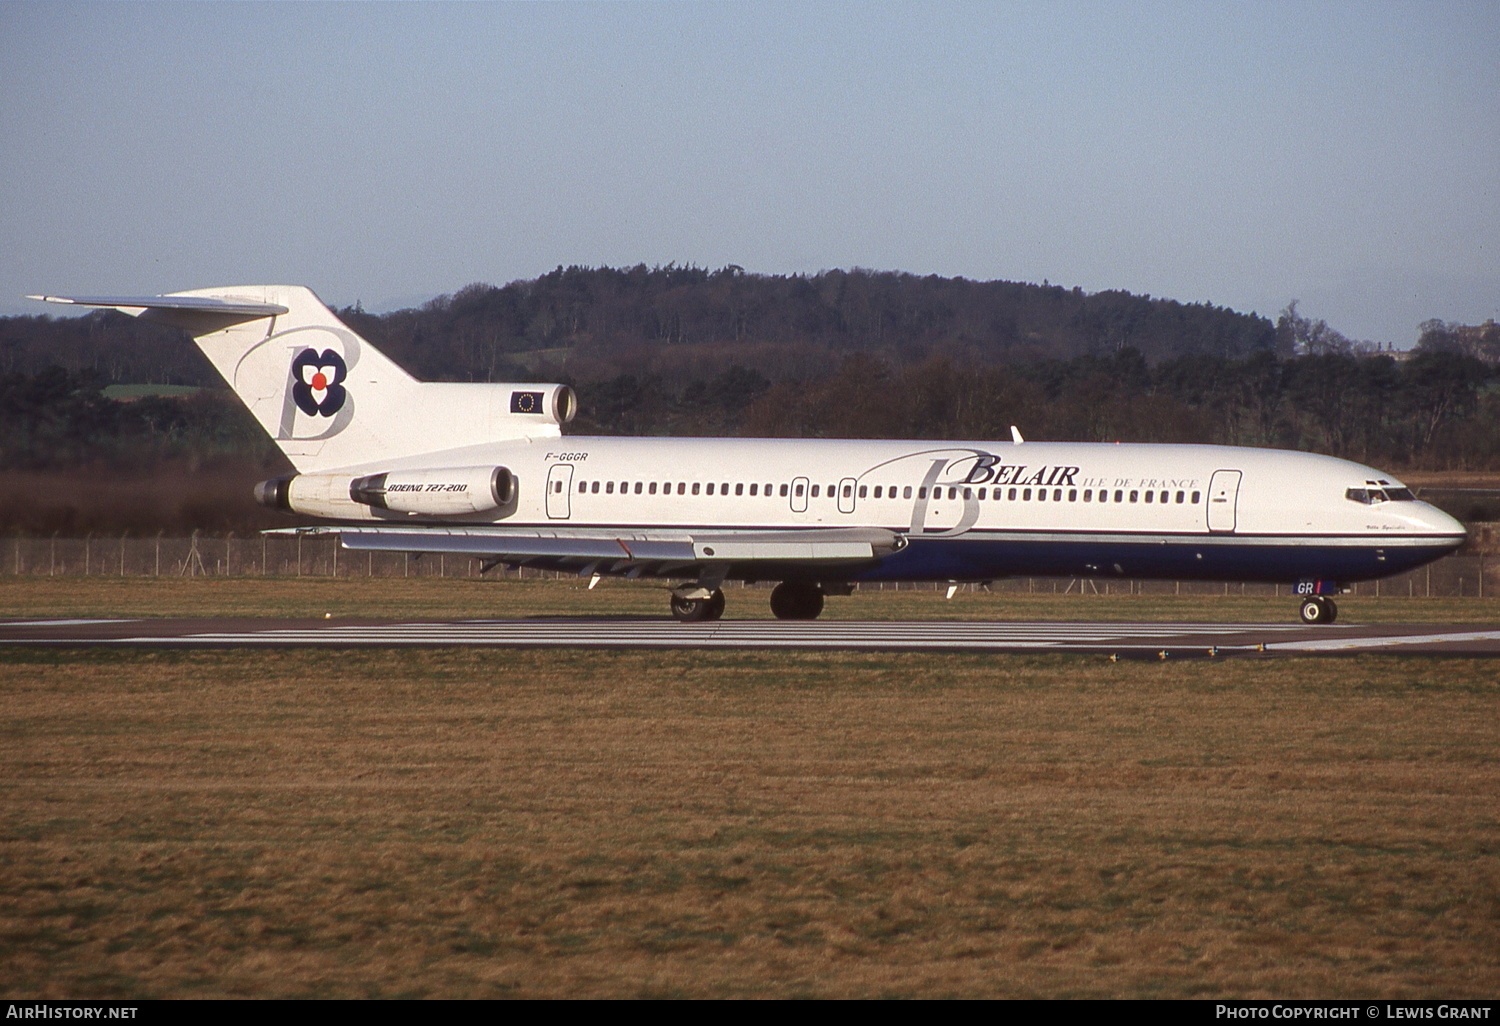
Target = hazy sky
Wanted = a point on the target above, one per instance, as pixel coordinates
(1240, 154)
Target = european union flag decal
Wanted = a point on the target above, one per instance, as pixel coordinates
(526, 402)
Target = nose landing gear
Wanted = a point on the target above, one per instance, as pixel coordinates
(1319, 609)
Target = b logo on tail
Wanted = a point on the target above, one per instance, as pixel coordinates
(318, 382)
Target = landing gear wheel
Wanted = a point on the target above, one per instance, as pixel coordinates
(796, 600)
(698, 610)
(1317, 610)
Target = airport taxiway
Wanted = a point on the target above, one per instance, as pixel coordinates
(1126, 640)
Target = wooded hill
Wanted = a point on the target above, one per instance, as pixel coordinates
(680, 323)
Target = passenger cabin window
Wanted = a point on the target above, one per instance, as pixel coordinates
(814, 491)
(652, 489)
(1195, 497)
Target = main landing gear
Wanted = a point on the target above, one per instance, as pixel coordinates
(698, 610)
(796, 600)
(1319, 609)
(790, 600)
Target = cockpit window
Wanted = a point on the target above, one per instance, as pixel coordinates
(1370, 496)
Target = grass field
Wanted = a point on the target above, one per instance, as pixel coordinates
(463, 822)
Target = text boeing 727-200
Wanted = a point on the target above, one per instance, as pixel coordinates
(484, 470)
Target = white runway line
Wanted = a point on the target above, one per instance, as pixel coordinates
(761, 634)
(1338, 644)
(59, 623)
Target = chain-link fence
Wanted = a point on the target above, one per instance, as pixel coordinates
(1469, 574)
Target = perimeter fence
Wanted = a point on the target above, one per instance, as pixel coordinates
(1474, 572)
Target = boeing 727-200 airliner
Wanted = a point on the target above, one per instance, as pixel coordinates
(484, 470)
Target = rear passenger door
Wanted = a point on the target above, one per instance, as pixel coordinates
(560, 491)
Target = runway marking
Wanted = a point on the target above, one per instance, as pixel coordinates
(59, 623)
(738, 634)
(1337, 644)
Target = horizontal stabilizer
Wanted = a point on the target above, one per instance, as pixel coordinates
(197, 304)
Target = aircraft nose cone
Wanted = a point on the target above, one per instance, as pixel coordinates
(1438, 522)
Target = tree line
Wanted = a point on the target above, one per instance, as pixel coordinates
(1436, 410)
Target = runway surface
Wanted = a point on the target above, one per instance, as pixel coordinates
(1126, 640)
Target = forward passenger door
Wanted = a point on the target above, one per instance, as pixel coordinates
(1223, 501)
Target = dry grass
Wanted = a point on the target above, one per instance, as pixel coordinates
(431, 597)
(479, 823)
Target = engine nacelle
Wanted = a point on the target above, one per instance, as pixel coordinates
(556, 403)
(441, 492)
(446, 491)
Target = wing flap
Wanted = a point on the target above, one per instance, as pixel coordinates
(718, 546)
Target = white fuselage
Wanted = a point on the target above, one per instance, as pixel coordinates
(975, 510)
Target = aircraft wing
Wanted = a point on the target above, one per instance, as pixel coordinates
(622, 549)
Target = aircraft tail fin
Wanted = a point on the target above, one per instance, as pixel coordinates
(327, 397)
